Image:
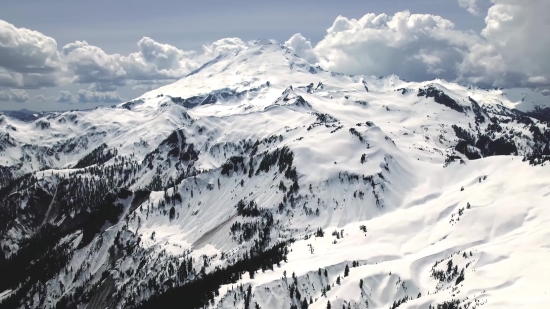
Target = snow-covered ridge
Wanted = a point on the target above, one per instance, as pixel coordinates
(260, 164)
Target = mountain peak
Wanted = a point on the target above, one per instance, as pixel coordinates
(266, 42)
(264, 61)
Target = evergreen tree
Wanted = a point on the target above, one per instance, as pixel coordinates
(172, 213)
(305, 305)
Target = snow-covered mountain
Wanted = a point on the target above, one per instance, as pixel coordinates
(262, 181)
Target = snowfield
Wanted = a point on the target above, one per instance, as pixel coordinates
(382, 193)
(502, 235)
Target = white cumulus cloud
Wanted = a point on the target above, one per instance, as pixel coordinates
(302, 47)
(14, 95)
(86, 96)
(470, 5)
(412, 46)
(65, 97)
(153, 62)
(40, 98)
(511, 51)
(518, 32)
(233, 45)
(28, 59)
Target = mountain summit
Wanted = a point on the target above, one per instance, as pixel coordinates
(262, 181)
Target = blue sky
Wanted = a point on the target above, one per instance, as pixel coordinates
(177, 27)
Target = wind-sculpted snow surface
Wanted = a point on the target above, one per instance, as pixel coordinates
(261, 181)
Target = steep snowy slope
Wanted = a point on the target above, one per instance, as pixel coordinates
(491, 231)
(208, 191)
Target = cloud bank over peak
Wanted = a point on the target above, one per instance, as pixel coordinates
(511, 51)
(413, 46)
(302, 47)
(32, 60)
(153, 61)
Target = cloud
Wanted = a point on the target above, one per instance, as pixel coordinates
(153, 61)
(512, 50)
(518, 33)
(90, 64)
(19, 95)
(40, 98)
(227, 45)
(65, 97)
(145, 86)
(28, 80)
(162, 56)
(102, 87)
(28, 59)
(85, 96)
(302, 47)
(470, 5)
(412, 46)
(14, 95)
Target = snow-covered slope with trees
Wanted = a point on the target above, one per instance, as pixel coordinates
(261, 181)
